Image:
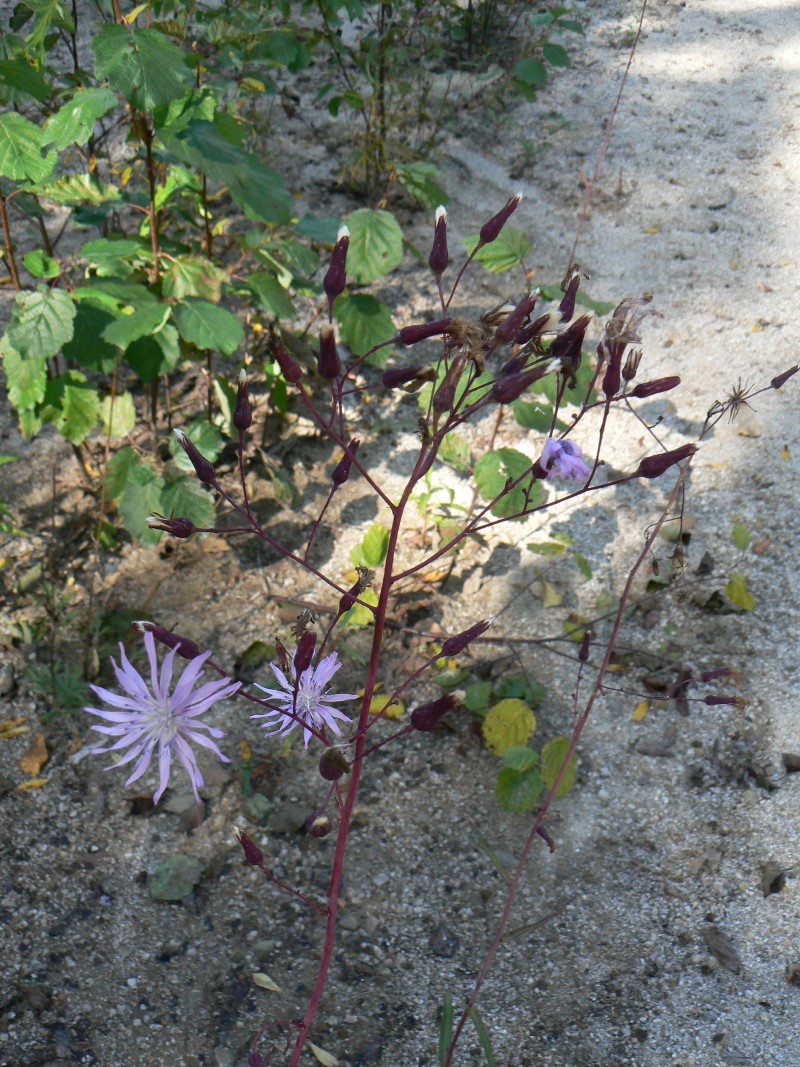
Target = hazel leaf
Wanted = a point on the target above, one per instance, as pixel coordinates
(553, 755)
(507, 724)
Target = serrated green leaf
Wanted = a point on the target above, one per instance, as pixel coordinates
(71, 403)
(87, 347)
(376, 245)
(205, 436)
(530, 72)
(118, 471)
(534, 416)
(75, 190)
(41, 322)
(116, 257)
(152, 356)
(321, 230)
(143, 65)
(553, 755)
(19, 80)
(494, 469)
(519, 791)
(26, 378)
(739, 594)
(144, 321)
(364, 322)
(741, 536)
(506, 252)
(40, 265)
(118, 414)
(507, 724)
(208, 326)
(193, 276)
(420, 180)
(372, 551)
(74, 122)
(556, 56)
(520, 758)
(21, 149)
(185, 497)
(478, 695)
(547, 548)
(271, 295)
(141, 496)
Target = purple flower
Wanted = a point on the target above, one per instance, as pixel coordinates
(310, 705)
(159, 720)
(562, 459)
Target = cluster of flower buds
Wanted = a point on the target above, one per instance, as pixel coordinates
(622, 330)
(335, 278)
(184, 646)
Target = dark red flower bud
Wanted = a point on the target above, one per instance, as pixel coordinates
(305, 652)
(586, 644)
(184, 646)
(255, 1059)
(439, 259)
(349, 598)
(333, 764)
(567, 345)
(252, 853)
(734, 702)
(655, 466)
(490, 230)
(399, 376)
(318, 825)
(722, 672)
(547, 323)
(412, 335)
(658, 385)
(329, 365)
(178, 527)
(242, 415)
(336, 276)
(511, 387)
(426, 716)
(455, 645)
(445, 395)
(508, 328)
(567, 305)
(290, 368)
(632, 361)
(202, 468)
(341, 472)
(781, 379)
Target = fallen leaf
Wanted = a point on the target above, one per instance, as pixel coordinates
(651, 229)
(785, 452)
(549, 595)
(13, 727)
(36, 756)
(431, 577)
(378, 704)
(325, 1058)
(32, 783)
(641, 710)
(263, 981)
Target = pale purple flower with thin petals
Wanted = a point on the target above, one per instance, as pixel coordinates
(311, 704)
(152, 720)
(562, 459)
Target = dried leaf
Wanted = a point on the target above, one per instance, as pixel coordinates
(325, 1058)
(431, 577)
(721, 948)
(641, 710)
(12, 727)
(263, 981)
(36, 756)
(32, 783)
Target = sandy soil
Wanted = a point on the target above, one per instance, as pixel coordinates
(663, 844)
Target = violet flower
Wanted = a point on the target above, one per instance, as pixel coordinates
(310, 704)
(149, 721)
(562, 459)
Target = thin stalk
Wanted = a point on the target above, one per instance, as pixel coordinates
(12, 263)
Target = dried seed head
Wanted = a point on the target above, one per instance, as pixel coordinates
(365, 577)
(439, 259)
(184, 646)
(490, 230)
(242, 415)
(333, 764)
(508, 329)
(631, 366)
(318, 825)
(202, 468)
(329, 365)
(178, 527)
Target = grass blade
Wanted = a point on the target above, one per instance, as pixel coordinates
(445, 1028)
(483, 1037)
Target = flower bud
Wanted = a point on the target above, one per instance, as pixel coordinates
(290, 368)
(632, 361)
(184, 646)
(412, 335)
(336, 276)
(445, 395)
(655, 466)
(511, 387)
(547, 323)
(490, 230)
(252, 853)
(781, 379)
(329, 365)
(318, 825)
(722, 672)
(425, 717)
(178, 527)
(567, 345)
(305, 652)
(349, 598)
(399, 376)
(453, 646)
(255, 1059)
(439, 259)
(573, 280)
(242, 415)
(658, 385)
(734, 702)
(341, 472)
(333, 764)
(202, 468)
(507, 330)
(586, 644)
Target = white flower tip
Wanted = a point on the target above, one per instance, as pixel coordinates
(242, 377)
(180, 435)
(237, 832)
(154, 520)
(343, 232)
(519, 197)
(143, 625)
(441, 213)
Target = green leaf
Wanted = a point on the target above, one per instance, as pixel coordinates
(547, 548)
(507, 724)
(19, 80)
(208, 326)
(583, 566)
(40, 265)
(372, 551)
(271, 296)
(193, 276)
(506, 252)
(445, 1029)
(455, 452)
(77, 190)
(152, 356)
(118, 471)
(116, 257)
(741, 536)
(226, 402)
(118, 415)
(139, 497)
(205, 436)
(358, 616)
(478, 695)
(483, 1036)
(262, 194)
(142, 65)
(520, 758)
(185, 497)
(21, 156)
(26, 377)
(323, 231)
(376, 245)
(175, 878)
(739, 594)
(74, 122)
(519, 791)
(41, 322)
(530, 72)
(533, 416)
(364, 322)
(143, 321)
(71, 403)
(87, 347)
(419, 179)
(494, 469)
(553, 755)
(556, 56)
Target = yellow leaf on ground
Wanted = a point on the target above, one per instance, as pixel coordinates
(325, 1058)
(651, 229)
(431, 577)
(245, 751)
(263, 981)
(549, 595)
(36, 756)
(785, 452)
(640, 710)
(32, 783)
(378, 704)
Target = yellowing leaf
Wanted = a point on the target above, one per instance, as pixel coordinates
(549, 595)
(325, 1058)
(739, 594)
(263, 981)
(785, 452)
(245, 751)
(553, 755)
(12, 727)
(36, 756)
(651, 229)
(132, 16)
(431, 577)
(640, 710)
(378, 703)
(32, 783)
(510, 722)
